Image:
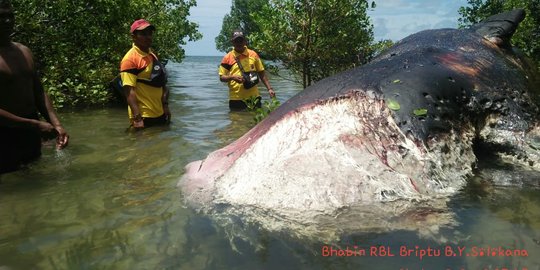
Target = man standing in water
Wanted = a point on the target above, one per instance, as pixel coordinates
(144, 79)
(21, 100)
(238, 62)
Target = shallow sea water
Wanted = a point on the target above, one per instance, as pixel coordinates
(109, 201)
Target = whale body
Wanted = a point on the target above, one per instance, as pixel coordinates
(382, 146)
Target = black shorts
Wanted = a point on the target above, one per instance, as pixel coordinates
(238, 105)
(18, 146)
(156, 121)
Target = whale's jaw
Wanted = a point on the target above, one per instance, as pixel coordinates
(332, 154)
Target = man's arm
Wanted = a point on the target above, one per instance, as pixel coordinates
(262, 75)
(165, 102)
(131, 98)
(46, 109)
(62, 139)
(165, 95)
(39, 98)
(10, 120)
(264, 79)
(228, 78)
(224, 73)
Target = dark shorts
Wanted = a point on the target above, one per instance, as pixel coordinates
(157, 121)
(18, 146)
(238, 105)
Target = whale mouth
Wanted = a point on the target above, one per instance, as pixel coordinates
(330, 155)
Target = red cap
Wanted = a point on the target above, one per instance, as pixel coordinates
(140, 24)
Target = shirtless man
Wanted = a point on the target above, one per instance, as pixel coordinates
(22, 100)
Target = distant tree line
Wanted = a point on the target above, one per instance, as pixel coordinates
(78, 45)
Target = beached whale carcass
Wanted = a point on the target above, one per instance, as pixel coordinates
(383, 139)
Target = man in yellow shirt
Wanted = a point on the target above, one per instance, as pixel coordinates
(144, 79)
(231, 72)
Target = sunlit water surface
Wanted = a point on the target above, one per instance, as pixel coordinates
(109, 201)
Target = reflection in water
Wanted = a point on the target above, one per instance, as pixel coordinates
(503, 219)
(109, 200)
(240, 123)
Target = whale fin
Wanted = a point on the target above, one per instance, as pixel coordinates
(499, 28)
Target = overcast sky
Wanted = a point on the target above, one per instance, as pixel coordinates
(392, 19)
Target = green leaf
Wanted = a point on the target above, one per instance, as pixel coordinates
(393, 105)
(396, 81)
(420, 112)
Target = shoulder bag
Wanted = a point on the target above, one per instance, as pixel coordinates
(250, 78)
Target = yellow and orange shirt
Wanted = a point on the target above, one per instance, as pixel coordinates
(143, 71)
(250, 62)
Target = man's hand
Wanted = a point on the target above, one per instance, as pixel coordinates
(238, 79)
(62, 139)
(167, 112)
(49, 131)
(271, 93)
(138, 123)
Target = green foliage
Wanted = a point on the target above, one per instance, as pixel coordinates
(527, 37)
(78, 45)
(266, 108)
(316, 38)
(251, 103)
(240, 17)
(379, 47)
(478, 10)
